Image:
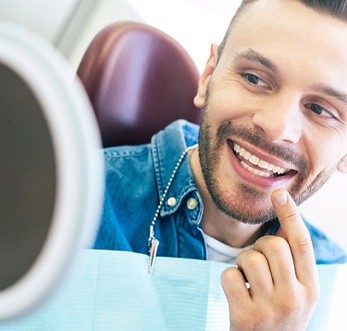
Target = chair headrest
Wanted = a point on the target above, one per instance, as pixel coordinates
(139, 79)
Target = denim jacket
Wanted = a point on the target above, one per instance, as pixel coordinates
(136, 178)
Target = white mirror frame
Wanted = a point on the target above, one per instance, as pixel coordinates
(79, 164)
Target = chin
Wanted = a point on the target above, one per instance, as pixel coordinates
(246, 207)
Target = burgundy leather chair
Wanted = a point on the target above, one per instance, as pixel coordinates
(138, 79)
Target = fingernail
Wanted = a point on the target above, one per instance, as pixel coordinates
(281, 198)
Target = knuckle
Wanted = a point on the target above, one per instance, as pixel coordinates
(303, 244)
(289, 215)
(291, 305)
(255, 261)
(243, 255)
(299, 301)
(277, 244)
(272, 244)
(251, 259)
(228, 276)
(231, 280)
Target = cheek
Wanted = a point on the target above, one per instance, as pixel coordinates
(324, 152)
(226, 105)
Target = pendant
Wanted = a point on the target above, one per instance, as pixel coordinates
(153, 244)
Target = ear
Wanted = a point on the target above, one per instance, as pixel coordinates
(199, 99)
(342, 166)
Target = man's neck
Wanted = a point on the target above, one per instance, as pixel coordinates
(216, 223)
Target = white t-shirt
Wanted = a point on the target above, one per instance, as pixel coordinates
(220, 252)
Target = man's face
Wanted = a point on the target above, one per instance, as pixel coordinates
(275, 108)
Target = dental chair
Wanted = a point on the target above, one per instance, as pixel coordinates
(138, 80)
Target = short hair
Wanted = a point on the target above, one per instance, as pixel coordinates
(334, 8)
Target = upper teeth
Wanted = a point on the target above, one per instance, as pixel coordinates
(258, 162)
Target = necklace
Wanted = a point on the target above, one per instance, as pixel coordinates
(153, 242)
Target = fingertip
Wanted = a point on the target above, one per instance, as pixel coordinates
(280, 197)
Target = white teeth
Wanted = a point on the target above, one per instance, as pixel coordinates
(237, 148)
(258, 162)
(255, 171)
(276, 169)
(254, 160)
(263, 164)
(270, 167)
(247, 155)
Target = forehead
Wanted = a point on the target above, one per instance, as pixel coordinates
(290, 27)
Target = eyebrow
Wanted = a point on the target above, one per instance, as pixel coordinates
(329, 91)
(252, 55)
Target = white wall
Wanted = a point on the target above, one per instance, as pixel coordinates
(46, 18)
(328, 209)
(194, 23)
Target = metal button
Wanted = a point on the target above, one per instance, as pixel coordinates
(172, 202)
(192, 203)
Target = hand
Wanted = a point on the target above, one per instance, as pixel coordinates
(281, 272)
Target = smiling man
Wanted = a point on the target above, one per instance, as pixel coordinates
(275, 121)
(275, 109)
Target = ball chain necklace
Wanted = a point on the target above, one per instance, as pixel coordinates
(153, 242)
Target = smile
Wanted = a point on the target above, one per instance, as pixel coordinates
(256, 165)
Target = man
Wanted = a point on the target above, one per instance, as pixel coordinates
(275, 121)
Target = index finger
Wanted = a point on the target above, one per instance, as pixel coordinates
(294, 230)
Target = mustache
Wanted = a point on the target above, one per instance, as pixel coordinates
(288, 154)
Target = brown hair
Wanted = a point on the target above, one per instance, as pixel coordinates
(335, 8)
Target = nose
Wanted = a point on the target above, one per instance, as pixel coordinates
(280, 119)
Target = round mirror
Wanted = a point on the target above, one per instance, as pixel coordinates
(51, 170)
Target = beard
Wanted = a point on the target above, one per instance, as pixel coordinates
(239, 200)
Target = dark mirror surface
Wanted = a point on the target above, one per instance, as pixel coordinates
(27, 177)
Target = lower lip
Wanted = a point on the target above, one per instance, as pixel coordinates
(253, 179)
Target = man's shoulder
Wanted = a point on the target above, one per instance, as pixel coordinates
(179, 131)
(326, 250)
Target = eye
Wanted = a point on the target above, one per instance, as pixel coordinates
(254, 80)
(317, 109)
